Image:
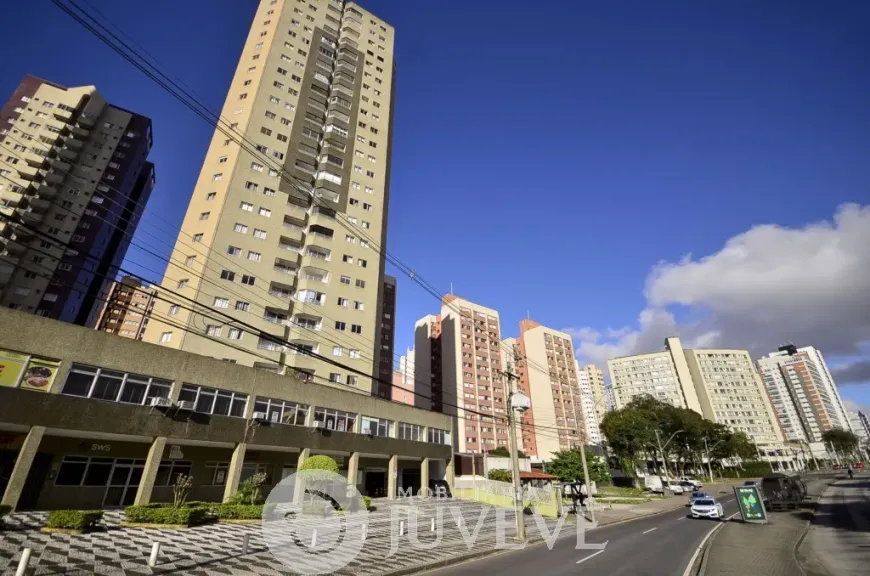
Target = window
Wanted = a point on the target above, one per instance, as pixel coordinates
(354, 202)
(355, 354)
(242, 306)
(210, 196)
(204, 215)
(197, 237)
(260, 234)
(268, 192)
(213, 330)
(247, 206)
(342, 301)
(221, 302)
(346, 258)
(356, 328)
(181, 284)
(360, 283)
(365, 224)
(369, 190)
(234, 334)
(335, 420)
(213, 401)
(173, 310)
(362, 263)
(102, 384)
(335, 377)
(265, 212)
(282, 411)
(249, 280)
(345, 280)
(357, 305)
(340, 325)
(257, 167)
(437, 436)
(234, 251)
(411, 432)
(216, 177)
(227, 275)
(375, 426)
(254, 256)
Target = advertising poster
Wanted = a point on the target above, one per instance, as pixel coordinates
(751, 504)
(39, 374)
(11, 367)
(29, 373)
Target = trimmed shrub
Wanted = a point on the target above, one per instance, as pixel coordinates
(500, 475)
(74, 519)
(368, 502)
(320, 462)
(239, 512)
(166, 515)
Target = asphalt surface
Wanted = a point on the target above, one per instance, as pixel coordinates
(840, 532)
(660, 545)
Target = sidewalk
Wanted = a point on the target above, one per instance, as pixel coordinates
(623, 512)
(839, 540)
(738, 549)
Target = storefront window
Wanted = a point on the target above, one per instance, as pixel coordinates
(335, 419)
(410, 432)
(281, 411)
(376, 426)
(212, 401)
(437, 436)
(168, 472)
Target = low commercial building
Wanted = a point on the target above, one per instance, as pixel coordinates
(89, 420)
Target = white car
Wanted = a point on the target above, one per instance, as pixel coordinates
(672, 486)
(691, 481)
(707, 508)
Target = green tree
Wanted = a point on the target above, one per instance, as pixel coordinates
(568, 466)
(500, 475)
(740, 445)
(843, 441)
(630, 432)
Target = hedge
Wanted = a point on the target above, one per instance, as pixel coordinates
(150, 514)
(239, 511)
(191, 504)
(74, 519)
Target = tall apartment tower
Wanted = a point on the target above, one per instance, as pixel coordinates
(548, 373)
(72, 168)
(466, 341)
(805, 403)
(721, 385)
(384, 372)
(590, 403)
(289, 237)
(128, 309)
(595, 376)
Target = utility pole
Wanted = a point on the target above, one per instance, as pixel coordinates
(586, 481)
(662, 449)
(515, 459)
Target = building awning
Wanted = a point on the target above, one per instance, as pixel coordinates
(535, 475)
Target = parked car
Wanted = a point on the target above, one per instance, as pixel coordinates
(707, 508)
(688, 486)
(691, 481)
(654, 484)
(673, 486)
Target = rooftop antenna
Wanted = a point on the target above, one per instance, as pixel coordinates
(451, 287)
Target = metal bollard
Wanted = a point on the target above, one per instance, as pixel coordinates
(245, 542)
(25, 560)
(432, 525)
(314, 538)
(364, 529)
(155, 551)
(401, 527)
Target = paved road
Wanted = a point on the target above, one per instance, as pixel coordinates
(655, 546)
(840, 536)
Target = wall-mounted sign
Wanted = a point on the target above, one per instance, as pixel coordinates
(27, 372)
(101, 447)
(175, 453)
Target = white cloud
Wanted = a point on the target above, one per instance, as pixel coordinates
(766, 286)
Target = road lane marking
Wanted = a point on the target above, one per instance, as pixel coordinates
(694, 557)
(590, 556)
(648, 531)
(681, 518)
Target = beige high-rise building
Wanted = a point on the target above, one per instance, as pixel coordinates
(595, 376)
(128, 309)
(548, 375)
(289, 239)
(463, 348)
(721, 385)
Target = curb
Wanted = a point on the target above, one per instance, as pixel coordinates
(704, 548)
(809, 524)
(444, 562)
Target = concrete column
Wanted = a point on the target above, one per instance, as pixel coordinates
(234, 472)
(298, 487)
(352, 468)
(450, 474)
(22, 466)
(424, 476)
(392, 476)
(149, 474)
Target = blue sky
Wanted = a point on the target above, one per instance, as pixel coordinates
(546, 155)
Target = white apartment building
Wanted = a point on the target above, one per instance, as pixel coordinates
(591, 403)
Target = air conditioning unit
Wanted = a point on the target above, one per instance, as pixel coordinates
(161, 402)
(319, 424)
(260, 417)
(185, 405)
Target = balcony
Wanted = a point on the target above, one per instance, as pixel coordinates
(275, 317)
(60, 164)
(343, 65)
(322, 218)
(61, 114)
(290, 245)
(327, 194)
(74, 143)
(29, 215)
(296, 211)
(281, 291)
(293, 232)
(14, 247)
(308, 322)
(342, 89)
(68, 153)
(46, 191)
(39, 203)
(285, 267)
(28, 172)
(320, 233)
(81, 132)
(87, 120)
(54, 177)
(313, 274)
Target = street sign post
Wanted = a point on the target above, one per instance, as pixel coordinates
(751, 504)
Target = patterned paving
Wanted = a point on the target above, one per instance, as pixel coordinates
(217, 549)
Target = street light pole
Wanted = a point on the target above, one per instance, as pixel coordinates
(586, 480)
(515, 459)
(662, 448)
